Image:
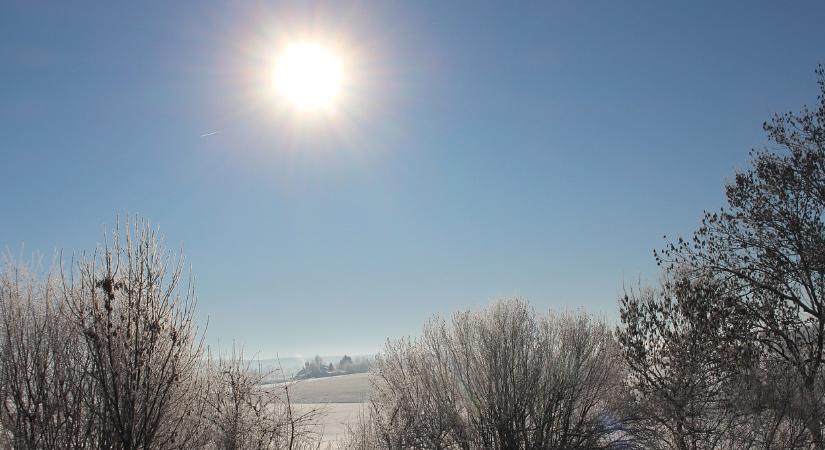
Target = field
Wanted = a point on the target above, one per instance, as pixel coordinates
(341, 398)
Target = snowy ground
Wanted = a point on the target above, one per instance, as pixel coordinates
(341, 398)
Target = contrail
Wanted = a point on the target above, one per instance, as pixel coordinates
(209, 134)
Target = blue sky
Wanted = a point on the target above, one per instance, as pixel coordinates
(486, 150)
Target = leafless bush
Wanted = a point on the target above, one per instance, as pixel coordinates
(243, 413)
(502, 378)
(137, 325)
(362, 433)
(44, 386)
(107, 355)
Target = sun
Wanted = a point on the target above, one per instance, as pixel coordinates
(308, 76)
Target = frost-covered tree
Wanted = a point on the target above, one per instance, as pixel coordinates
(502, 378)
(107, 355)
(134, 310)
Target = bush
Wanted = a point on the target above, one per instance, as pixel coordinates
(241, 413)
(502, 378)
(45, 385)
(107, 355)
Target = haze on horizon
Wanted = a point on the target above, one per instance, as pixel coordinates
(454, 159)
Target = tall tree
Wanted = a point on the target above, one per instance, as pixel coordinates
(769, 243)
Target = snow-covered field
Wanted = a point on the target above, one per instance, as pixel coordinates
(352, 388)
(341, 398)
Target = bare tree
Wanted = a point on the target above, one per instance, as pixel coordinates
(769, 242)
(137, 325)
(693, 386)
(503, 378)
(681, 372)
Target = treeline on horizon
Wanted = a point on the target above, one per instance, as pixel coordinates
(725, 352)
(317, 368)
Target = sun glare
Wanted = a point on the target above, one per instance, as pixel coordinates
(308, 75)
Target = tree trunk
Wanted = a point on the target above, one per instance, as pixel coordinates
(815, 414)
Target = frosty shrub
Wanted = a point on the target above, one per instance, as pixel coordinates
(243, 413)
(136, 321)
(501, 378)
(45, 387)
(106, 355)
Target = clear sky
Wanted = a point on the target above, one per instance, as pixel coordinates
(477, 151)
